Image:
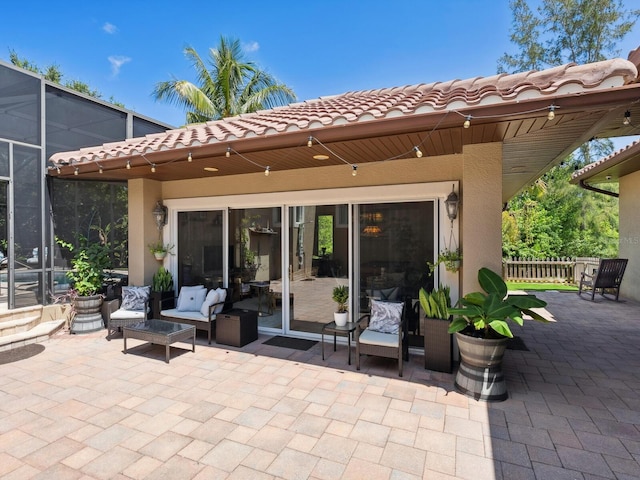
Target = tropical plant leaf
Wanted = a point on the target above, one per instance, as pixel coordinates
(501, 327)
(457, 325)
(525, 301)
(491, 282)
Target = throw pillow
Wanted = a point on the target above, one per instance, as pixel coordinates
(222, 296)
(134, 298)
(212, 298)
(190, 298)
(385, 316)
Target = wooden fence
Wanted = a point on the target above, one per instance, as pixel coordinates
(555, 270)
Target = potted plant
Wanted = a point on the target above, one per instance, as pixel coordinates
(160, 249)
(437, 340)
(89, 261)
(481, 328)
(162, 293)
(451, 258)
(341, 297)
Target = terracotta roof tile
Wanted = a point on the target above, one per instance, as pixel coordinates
(611, 158)
(370, 105)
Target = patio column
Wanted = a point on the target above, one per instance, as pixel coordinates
(143, 195)
(630, 234)
(481, 217)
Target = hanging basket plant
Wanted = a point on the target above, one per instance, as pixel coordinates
(451, 259)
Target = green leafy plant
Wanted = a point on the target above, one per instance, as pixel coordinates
(485, 314)
(89, 261)
(450, 258)
(340, 295)
(437, 303)
(162, 280)
(159, 247)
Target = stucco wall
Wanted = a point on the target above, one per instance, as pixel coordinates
(630, 234)
(143, 195)
(481, 227)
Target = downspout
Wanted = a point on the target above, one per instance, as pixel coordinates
(586, 186)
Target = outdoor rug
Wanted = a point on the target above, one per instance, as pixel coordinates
(20, 353)
(516, 343)
(288, 342)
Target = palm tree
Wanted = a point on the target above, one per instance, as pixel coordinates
(230, 87)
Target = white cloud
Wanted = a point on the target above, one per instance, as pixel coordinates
(110, 28)
(251, 47)
(116, 62)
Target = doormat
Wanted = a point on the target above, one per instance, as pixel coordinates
(289, 342)
(20, 353)
(516, 343)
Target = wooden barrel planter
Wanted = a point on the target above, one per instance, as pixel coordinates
(480, 373)
(88, 314)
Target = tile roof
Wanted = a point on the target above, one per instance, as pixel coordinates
(371, 105)
(608, 161)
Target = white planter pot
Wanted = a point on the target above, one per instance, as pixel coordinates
(160, 255)
(341, 318)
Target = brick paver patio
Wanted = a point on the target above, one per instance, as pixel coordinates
(83, 409)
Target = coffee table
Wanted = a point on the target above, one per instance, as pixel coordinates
(160, 332)
(342, 330)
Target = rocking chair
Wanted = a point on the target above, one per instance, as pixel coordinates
(608, 276)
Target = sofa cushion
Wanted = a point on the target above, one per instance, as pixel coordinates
(385, 316)
(212, 297)
(189, 315)
(190, 298)
(135, 298)
(222, 297)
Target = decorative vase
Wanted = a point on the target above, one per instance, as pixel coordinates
(340, 318)
(480, 373)
(88, 315)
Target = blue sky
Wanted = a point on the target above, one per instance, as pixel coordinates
(123, 48)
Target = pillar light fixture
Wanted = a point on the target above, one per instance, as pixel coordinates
(160, 214)
(451, 203)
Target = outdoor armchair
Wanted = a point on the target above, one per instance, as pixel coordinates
(133, 308)
(607, 277)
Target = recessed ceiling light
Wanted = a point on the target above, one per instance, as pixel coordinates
(211, 169)
(321, 157)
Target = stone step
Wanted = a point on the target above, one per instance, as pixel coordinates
(37, 334)
(11, 325)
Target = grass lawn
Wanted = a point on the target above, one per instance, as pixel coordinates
(541, 287)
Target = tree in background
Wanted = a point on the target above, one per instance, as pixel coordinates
(553, 218)
(54, 74)
(228, 86)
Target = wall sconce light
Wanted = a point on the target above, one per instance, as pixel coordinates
(452, 202)
(160, 214)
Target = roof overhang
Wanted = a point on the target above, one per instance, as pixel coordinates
(611, 168)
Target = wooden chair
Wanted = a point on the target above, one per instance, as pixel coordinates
(371, 341)
(608, 276)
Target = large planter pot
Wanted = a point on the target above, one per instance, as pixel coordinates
(88, 315)
(480, 373)
(340, 318)
(437, 345)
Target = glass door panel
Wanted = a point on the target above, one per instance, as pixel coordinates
(395, 241)
(318, 261)
(200, 249)
(255, 263)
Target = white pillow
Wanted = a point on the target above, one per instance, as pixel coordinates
(190, 298)
(212, 297)
(222, 296)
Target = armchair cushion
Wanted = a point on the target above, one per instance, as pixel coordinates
(135, 298)
(371, 337)
(385, 316)
(190, 299)
(212, 298)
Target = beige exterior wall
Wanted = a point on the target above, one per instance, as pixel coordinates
(143, 195)
(478, 169)
(481, 228)
(630, 234)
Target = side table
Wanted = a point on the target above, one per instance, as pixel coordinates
(344, 331)
(236, 327)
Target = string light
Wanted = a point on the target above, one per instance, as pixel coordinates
(266, 171)
(100, 169)
(354, 171)
(467, 122)
(57, 169)
(418, 152)
(551, 115)
(189, 158)
(310, 142)
(76, 171)
(627, 118)
(228, 154)
(153, 168)
(128, 164)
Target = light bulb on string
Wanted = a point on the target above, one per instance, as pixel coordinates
(354, 171)
(310, 142)
(100, 169)
(189, 158)
(76, 171)
(267, 170)
(551, 115)
(153, 168)
(228, 152)
(418, 151)
(467, 122)
(627, 118)
(58, 170)
(128, 164)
